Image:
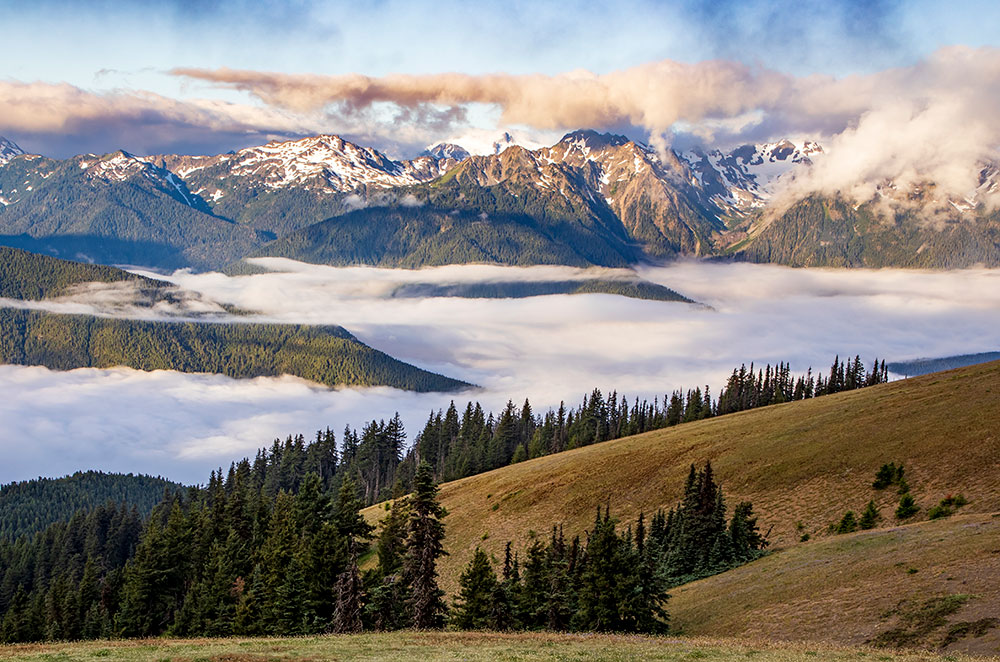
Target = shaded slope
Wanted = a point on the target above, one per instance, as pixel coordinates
(30, 276)
(827, 232)
(807, 462)
(413, 237)
(322, 354)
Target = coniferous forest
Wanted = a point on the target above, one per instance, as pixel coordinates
(276, 544)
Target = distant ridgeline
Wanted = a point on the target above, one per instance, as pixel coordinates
(30, 506)
(918, 367)
(32, 277)
(323, 354)
(632, 288)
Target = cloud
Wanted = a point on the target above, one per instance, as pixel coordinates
(62, 119)
(545, 348)
(932, 121)
(126, 299)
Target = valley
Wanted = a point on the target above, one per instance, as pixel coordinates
(500, 331)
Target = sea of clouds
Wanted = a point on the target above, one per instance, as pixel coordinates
(548, 349)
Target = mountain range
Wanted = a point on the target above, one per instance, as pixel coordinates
(590, 199)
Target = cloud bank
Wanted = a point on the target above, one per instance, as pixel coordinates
(933, 121)
(545, 348)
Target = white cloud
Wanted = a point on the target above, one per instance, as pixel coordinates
(546, 348)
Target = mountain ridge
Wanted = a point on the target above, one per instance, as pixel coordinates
(205, 212)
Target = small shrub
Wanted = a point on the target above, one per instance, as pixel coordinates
(939, 511)
(954, 501)
(888, 474)
(947, 506)
(848, 523)
(870, 517)
(804, 537)
(907, 507)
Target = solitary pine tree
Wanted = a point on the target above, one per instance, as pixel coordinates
(423, 548)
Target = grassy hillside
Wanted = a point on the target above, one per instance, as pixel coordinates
(802, 464)
(323, 354)
(864, 587)
(29, 506)
(25, 275)
(472, 646)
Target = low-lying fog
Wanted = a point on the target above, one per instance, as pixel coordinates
(547, 348)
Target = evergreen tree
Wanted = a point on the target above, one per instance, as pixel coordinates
(473, 608)
(870, 517)
(907, 507)
(848, 523)
(423, 548)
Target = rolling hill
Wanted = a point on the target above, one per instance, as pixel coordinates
(29, 506)
(802, 465)
(323, 354)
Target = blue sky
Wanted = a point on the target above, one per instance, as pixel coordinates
(106, 48)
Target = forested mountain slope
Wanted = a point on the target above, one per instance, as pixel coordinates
(323, 354)
(29, 506)
(32, 277)
(833, 232)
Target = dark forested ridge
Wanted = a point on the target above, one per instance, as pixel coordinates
(413, 237)
(323, 354)
(635, 289)
(30, 276)
(30, 506)
(918, 367)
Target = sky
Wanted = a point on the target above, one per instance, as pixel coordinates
(547, 349)
(205, 77)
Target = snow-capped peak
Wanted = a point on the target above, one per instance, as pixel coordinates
(8, 150)
(447, 151)
(746, 176)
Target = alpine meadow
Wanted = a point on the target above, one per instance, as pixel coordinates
(651, 330)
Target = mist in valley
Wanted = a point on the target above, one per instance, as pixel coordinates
(548, 349)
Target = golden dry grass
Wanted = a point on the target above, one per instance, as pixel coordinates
(474, 647)
(845, 588)
(802, 464)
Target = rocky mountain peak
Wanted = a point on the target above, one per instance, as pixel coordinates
(8, 150)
